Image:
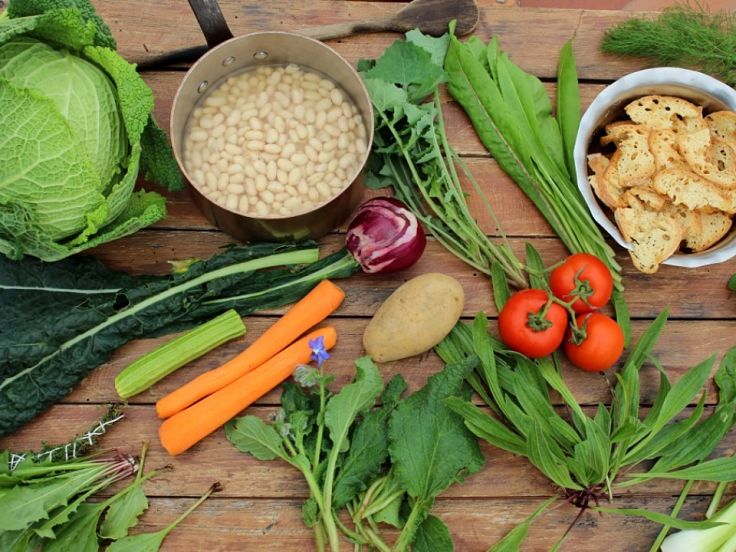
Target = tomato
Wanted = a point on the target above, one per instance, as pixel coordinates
(516, 324)
(594, 282)
(602, 346)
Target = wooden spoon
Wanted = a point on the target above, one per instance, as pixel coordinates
(429, 16)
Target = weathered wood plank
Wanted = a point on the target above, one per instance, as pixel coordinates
(215, 459)
(689, 293)
(144, 29)
(679, 348)
(275, 525)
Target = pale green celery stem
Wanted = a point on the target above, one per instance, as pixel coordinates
(305, 256)
(675, 510)
(327, 515)
(162, 361)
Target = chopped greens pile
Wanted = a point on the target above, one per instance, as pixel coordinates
(382, 465)
(76, 125)
(69, 317)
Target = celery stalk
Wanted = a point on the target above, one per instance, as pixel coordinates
(159, 363)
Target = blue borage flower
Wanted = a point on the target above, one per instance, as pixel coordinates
(319, 354)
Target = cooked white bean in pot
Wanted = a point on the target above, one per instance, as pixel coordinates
(274, 141)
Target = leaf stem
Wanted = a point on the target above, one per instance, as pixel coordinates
(676, 510)
(416, 516)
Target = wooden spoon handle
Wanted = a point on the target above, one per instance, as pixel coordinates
(341, 30)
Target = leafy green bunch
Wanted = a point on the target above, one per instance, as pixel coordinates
(412, 155)
(47, 504)
(76, 126)
(381, 464)
(590, 457)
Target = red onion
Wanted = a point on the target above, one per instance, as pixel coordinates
(385, 236)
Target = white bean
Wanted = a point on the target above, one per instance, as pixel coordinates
(243, 203)
(288, 150)
(271, 170)
(261, 208)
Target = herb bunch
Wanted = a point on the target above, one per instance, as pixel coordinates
(412, 155)
(590, 458)
(379, 464)
(683, 35)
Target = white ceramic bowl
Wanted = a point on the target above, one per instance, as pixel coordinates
(608, 106)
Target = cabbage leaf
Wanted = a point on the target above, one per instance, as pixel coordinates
(76, 128)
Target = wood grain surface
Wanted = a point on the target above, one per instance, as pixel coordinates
(259, 507)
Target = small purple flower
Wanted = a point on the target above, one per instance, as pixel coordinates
(319, 354)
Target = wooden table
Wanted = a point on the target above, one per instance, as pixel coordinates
(259, 508)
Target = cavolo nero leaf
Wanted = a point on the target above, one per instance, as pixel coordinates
(44, 354)
(430, 446)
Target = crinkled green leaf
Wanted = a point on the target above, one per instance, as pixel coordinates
(436, 46)
(79, 534)
(432, 536)
(252, 435)
(429, 445)
(409, 66)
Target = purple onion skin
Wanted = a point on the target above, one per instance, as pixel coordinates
(385, 236)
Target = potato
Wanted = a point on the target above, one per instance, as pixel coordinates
(417, 316)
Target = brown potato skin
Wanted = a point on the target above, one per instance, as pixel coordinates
(415, 317)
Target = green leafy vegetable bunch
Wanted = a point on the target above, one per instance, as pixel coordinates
(382, 465)
(588, 458)
(76, 127)
(412, 155)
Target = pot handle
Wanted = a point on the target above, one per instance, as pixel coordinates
(211, 21)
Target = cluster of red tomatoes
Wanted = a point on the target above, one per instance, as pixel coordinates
(535, 323)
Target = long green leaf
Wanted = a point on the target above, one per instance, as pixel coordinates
(568, 103)
(719, 469)
(486, 427)
(664, 519)
(515, 538)
(549, 459)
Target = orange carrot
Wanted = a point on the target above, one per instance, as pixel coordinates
(191, 425)
(312, 309)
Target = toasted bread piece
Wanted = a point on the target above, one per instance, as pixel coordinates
(722, 125)
(663, 145)
(598, 163)
(646, 198)
(690, 222)
(632, 162)
(611, 196)
(654, 236)
(714, 226)
(693, 191)
(723, 155)
(663, 112)
(609, 193)
(696, 148)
